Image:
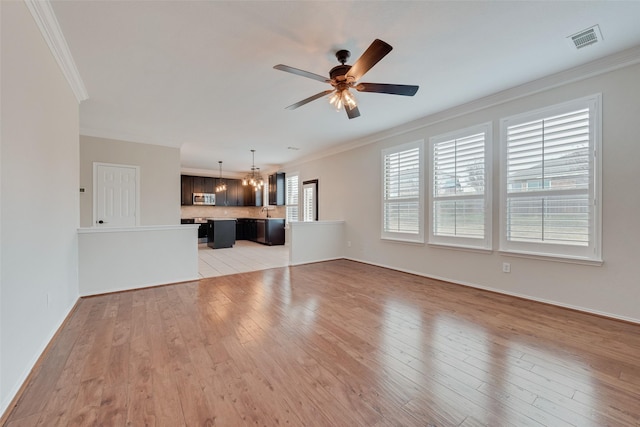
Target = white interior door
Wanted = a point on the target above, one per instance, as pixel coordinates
(116, 195)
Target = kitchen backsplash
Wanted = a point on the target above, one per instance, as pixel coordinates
(231, 212)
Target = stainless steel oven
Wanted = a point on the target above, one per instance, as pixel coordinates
(204, 199)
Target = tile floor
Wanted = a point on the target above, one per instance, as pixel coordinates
(244, 256)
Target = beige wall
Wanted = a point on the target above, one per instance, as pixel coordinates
(39, 197)
(611, 289)
(159, 177)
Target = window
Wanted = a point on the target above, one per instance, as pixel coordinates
(460, 184)
(310, 200)
(551, 181)
(292, 198)
(402, 193)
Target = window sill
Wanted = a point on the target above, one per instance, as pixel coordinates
(554, 258)
(461, 248)
(405, 241)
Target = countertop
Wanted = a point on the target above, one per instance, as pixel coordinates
(203, 220)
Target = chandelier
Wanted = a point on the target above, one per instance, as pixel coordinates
(253, 178)
(222, 186)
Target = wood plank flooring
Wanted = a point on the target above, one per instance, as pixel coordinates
(337, 343)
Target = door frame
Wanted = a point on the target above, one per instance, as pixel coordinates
(95, 188)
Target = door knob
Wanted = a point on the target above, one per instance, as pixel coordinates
(101, 222)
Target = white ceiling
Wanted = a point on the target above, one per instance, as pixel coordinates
(198, 74)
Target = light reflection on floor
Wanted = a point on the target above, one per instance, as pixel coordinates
(453, 356)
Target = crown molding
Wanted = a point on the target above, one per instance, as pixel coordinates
(594, 68)
(45, 18)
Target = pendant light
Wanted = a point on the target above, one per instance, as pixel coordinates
(222, 186)
(253, 178)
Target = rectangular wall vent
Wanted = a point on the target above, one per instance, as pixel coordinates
(586, 37)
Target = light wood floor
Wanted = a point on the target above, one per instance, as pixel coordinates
(332, 344)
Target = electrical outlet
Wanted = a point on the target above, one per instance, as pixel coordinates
(348, 243)
(506, 267)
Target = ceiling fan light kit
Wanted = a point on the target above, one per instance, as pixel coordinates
(342, 98)
(344, 77)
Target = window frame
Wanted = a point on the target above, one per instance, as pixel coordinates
(591, 253)
(484, 243)
(396, 235)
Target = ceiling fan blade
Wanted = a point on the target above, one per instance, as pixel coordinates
(369, 58)
(353, 113)
(406, 90)
(302, 73)
(309, 99)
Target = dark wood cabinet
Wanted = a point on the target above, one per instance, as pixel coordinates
(221, 233)
(203, 184)
(240, 227)
(232, 192)
(251, 196)
(186, 190)
(195, 184)
(270, 231)
(277, 189)
(246, 229)
(229, 197)
(232, 195)
(198, 184)
(236, 194)
(221, 196)
(266, 231)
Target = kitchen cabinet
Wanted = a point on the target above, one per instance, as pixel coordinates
(230, 197)
(240, 227)
(246, 229)
(195, 184)
(251, 196)
(186, 184)
(277, 189)
(203, 184)
(270, 231)
(233, 193)
(221, 233)
(221, 196)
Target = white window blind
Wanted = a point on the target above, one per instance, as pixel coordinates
(550, 203)
(308, 204)
(460, 213)
(292, 198)
(403, 193)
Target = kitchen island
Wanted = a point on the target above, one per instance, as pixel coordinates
(221, 232)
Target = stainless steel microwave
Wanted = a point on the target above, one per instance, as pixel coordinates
(204, 199)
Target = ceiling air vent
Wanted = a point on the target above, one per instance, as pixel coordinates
(586, 37)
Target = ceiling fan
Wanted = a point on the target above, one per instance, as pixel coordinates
(344, 77)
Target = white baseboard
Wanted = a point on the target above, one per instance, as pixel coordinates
(503, 292)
